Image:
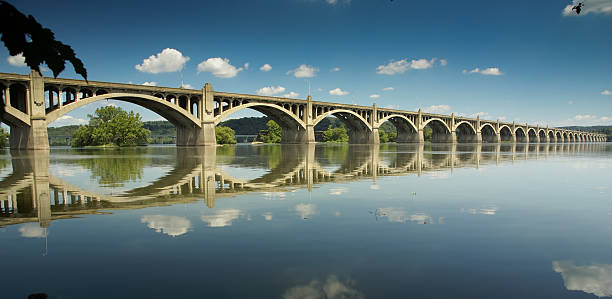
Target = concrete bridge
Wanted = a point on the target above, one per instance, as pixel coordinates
(31, 102)
(32, 194)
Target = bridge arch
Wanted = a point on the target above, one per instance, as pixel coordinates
(521, 135)
(533, 135)
(542, 135)
(175, 115)
(360, 131)
(407, 131)
(441, 132)
(505, 134)
(488, 133)
(465, 132)
(551, 136)
(293, 128)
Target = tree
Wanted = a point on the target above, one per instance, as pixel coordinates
(335, 134)
(4, 135)
(273, 134)
(225, 135)
(112, 125)
(22, 34)
(383, 136)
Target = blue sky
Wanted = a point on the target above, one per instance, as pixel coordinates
(524, 61)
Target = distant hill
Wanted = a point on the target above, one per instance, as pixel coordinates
(252, 125)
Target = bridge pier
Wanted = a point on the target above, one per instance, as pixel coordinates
(196, 136)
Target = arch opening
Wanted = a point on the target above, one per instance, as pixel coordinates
(551, 137)
(358, 130)
(436, 131)
(405, 131)
(542, 136)
(505, 134)
(18, 96)
(488, 134)
(533, 136)
(465, 133)
(520, 135)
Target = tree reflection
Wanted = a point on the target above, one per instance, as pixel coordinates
(115, 171)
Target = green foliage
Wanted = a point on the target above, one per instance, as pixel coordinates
(335, 135)
(247, 125)
(427, 134)
(112, 126)
(272, 134)
(4, 135)
(386, 136)
(22, 34)
(225, 135)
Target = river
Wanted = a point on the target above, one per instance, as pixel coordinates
(312, 221)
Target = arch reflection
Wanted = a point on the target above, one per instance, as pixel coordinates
(31, 194)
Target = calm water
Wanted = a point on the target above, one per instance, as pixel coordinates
(324, 221)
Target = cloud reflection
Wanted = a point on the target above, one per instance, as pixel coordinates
(169, 225)
(332, 288)
(306, 210)
(400, 215)
(492, 210)
(594, 279)
(222, 218)
(31, 230)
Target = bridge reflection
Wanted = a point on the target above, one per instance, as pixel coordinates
(31, 194)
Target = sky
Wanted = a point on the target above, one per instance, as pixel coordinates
(525, 61)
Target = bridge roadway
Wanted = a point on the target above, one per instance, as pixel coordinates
(31, 102)
(31, 193)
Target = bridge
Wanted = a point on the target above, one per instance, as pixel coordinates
(31, 102)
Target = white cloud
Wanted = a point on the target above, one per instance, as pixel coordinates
(401, 66)
(304, 71)
(336, 69)
(502, 118)
(187, 86)
(443, 62)
(437, 109)
(374, 96)
(169, 225)
(152, 83)
(31, 230)
(291, 95)
(390, 106)
(388, 88)
(169, 60)
(67, 120)
(270, 90)
(306, 210)
(265, 68)
(219, 67)
(332, 288)
(338, 92)
(570, 102)
(606, 92)
(17, 60)
(585, 120)
(246, 66)
(491, 71)
(481, 114)
(221, 218)
(594, 279)
(593, 6)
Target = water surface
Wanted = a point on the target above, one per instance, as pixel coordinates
(324, 221)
